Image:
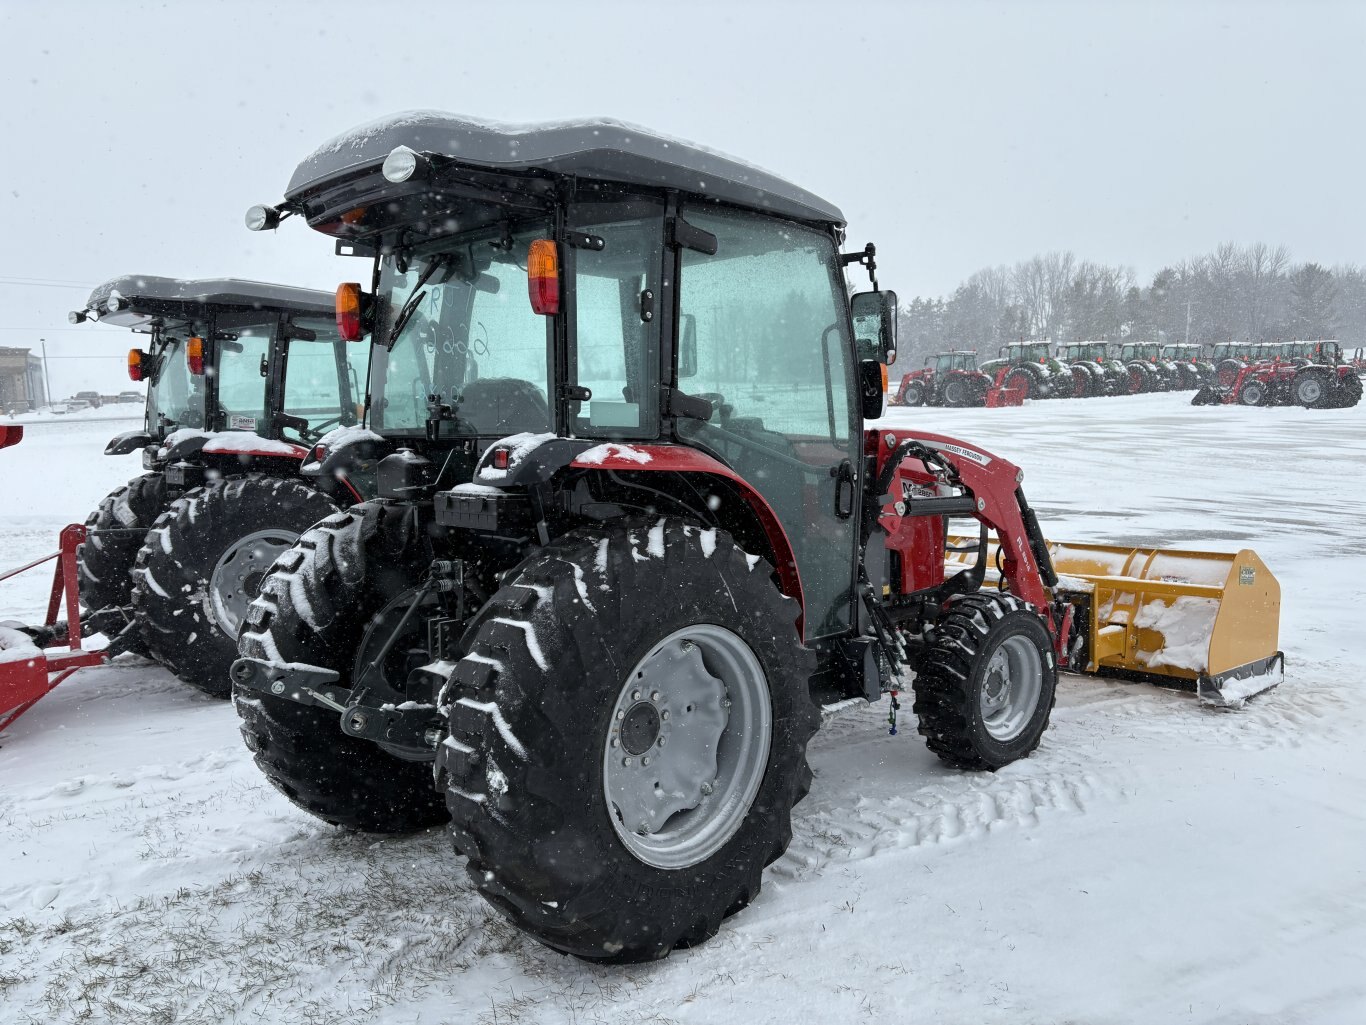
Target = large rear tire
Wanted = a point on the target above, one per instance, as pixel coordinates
(1347, 391)
(1312, 388)
(115, 532)
(961, 391)
(203, 562)
(986, 686)
(314, 608)
(628, 737)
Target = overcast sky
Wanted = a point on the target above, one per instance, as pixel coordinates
(954, 135)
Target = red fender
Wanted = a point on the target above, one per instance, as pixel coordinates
(678, 459)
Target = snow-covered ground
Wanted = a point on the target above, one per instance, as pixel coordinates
(1155, 861)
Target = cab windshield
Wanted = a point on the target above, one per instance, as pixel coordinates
(455, 322)
(175, 397)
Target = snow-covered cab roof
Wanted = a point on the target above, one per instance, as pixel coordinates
(134, 300)
(599, 150)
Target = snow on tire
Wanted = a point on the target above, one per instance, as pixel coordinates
(116, 530)
(202, 563)
(313, 609)
(985, 688)
(604, 769)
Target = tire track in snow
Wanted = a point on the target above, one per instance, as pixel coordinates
(874, 792)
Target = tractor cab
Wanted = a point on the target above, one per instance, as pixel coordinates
(1034, 352)
(589, 285)
(1323, 352)
(1075, 352)
(229, 356)
(964, 361)
(1150, 351)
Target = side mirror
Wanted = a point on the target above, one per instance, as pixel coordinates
(874, 317)
(687, 346)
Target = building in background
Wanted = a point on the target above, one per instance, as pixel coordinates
(21, 381)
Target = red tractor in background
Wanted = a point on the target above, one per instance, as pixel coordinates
(1290, 381)
(955, 380)
(243, 379)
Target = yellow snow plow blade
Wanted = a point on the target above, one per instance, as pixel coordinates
(1207, 620)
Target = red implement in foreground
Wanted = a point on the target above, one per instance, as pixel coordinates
(28, 668)
(10, 435)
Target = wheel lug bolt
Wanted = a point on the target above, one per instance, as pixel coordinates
(661, 741)
(613, 742)
(628, 762)
(645, 761)
(621, 714)
(664, 715)
(654, 696)
(635, 695)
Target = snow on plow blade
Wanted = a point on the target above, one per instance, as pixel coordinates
(1203, 620)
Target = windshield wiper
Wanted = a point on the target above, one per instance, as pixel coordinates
(414, 300)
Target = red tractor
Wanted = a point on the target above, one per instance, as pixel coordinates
(611, 571)
(1329, 385)
(953, 380)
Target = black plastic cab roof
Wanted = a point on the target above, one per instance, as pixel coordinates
(598, 149)
(145, 297)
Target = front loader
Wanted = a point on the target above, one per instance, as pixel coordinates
(243, 378)
(613, 564)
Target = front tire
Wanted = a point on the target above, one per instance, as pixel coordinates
(202, 563)
(593, 695)
(985, 687)
(1254, 393)
(914, 394)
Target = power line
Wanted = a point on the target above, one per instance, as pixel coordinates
(69, 285)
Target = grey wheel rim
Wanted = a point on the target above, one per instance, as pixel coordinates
(1309, 390)
(1011, 686)
(237, 576)
(687, 746)
(1252, 395)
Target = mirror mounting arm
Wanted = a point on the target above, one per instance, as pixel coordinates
(865, 256)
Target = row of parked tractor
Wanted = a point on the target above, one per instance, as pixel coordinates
(1314, 374)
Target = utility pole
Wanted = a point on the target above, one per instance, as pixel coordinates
(47, 385)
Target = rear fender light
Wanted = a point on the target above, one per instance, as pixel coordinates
(135, 364)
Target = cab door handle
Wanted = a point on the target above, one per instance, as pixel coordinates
(844, 489)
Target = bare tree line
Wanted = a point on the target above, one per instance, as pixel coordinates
(1235, 293)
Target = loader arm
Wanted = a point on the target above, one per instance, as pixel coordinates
(930, 475)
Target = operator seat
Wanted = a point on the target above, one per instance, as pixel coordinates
(506, 404)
